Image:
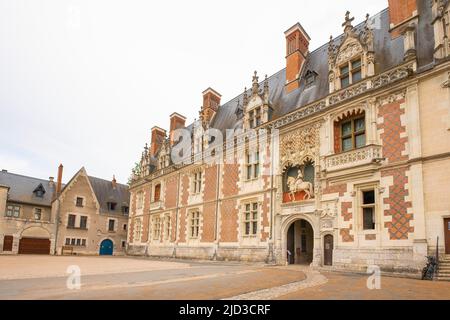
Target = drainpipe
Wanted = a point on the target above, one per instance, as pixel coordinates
(58, 211)
(216, 231)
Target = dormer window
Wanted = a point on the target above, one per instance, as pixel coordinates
(112, 206)
(350, 73)
(255, 118)
(310, 78)
(39, 191)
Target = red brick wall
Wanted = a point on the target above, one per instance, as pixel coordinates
(400, 226)
(170, 192)
(145, 228)
(400, 10)
(182, 222)
(347, 216)
(229, 226)
(230, 179)
(393, 143)
(208, 227)
(210, 188)
(337, 188)
(173, 232)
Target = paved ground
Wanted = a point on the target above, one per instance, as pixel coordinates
(44, 277)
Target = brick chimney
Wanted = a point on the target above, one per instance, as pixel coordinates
(211, 103)
(297, 44)
(158, 137)
(177, 121)
(59, 181)
(401, 12)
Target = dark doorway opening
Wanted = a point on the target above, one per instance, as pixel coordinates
(300, 243)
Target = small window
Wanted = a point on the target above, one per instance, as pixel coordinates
(125, 210)
(156, 228)
(353, 134)
(71, 221)
(112, 206)
(197, 182)
(140, 199)
(124, 243)
(83, 222)
(252, 165)
(79, 202)
(195, 224)
(83, 242)
(157, 193)
(137, 230)
(251, 219)
(350, 73)
(78, 242)
(37, 214)
(73, 241)
(13, 211)
(111, 225)
(124, 227)
(368, 209)
(167, 227)
(67, 241)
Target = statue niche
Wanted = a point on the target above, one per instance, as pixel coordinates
(298, 182)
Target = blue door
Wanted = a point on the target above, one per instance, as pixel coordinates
(106, 248)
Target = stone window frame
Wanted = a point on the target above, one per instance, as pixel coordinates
(351, 71)
(196, 183)
(83, 201)
(251, 164)
(14, 207)
(115, 224)
(354, 133)
(140, 199)
(167, 226)
(156, 227)
(73, 242)
(255, 117)
(41, 213)
(358, 204)
(369, 109)
(154, 188)
(253, 233)
(137, 230)
(196, 235)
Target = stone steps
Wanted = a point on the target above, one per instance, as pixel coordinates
(444, 270)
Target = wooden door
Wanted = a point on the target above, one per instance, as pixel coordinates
(447, 235)
(291, 245)
(7, 243)
(328, 244)
(34, 246)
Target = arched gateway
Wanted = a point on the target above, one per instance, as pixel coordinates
(300, 243)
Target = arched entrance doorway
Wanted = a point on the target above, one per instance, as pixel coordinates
(106, 248)
(300, 243)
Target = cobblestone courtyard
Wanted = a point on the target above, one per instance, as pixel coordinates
(45, 277)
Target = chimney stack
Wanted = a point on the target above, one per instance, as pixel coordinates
(114, 181)
(59, 181)
(211, 103)
(297, 49)
(177, 121)
(401, 12)
(158, 137)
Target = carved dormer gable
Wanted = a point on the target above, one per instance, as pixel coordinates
(256, 107)
(353, 58)
(164, 155)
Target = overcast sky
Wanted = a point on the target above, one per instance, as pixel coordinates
(82, 82)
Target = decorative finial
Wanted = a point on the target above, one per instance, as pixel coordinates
(348, 27)
(266, 85)
(245, 99)
(255, 85)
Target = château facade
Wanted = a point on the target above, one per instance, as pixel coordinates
(349, 166)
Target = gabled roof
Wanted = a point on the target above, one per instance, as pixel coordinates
(105, 193)
(21, 189)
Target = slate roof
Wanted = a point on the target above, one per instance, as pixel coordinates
(388, 54)
(21, 189)
(105, 193)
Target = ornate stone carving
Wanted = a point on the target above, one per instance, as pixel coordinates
(348, 51)
(361, 156)
(391, 98)
(300, 146)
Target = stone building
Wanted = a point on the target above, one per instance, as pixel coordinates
(26, 222)
(93, 216)
(354, 170)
